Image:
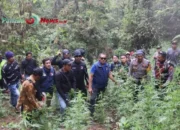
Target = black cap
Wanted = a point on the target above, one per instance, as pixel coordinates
(82, 51)
(77, 53)
(67, 62)
(65, 51)
(37, 71)
(163, 54)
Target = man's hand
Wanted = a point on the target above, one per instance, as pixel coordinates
(59, 53)
(90, 90)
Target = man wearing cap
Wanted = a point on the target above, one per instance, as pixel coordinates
(173, 54)
(80, 72)
(163, 71)
(11, 77)
(139, 67)
(128, 56)
(65, 81)
(2, 62)
(59, 63)
(27, 65)
(157, 52)
(98, 79)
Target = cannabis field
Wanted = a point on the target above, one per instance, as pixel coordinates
(116, 110)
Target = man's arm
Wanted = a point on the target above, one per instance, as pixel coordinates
(74, 81)
(90, 83)
(54, 60)
(93, 69)
(22, 68)
(86, 75)
(111, 77)
(130, 69)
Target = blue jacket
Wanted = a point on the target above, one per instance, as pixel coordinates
(47, 80)
(100, 75)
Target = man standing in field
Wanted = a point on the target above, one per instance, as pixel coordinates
(157, 52)
(65, 81)
(2, 63)
(98, 79)
(163, 71)
(80, 72)
(47, 80)
(115, 66)
(28, 100)
(124, 68)
(173, 54)
(59, 63)
(27, 65)
(11, 77)
(138, 70)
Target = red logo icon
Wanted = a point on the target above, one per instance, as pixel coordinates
(30, 21)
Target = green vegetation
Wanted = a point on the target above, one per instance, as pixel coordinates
(112, 26)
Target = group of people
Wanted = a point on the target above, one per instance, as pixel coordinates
(39, 82)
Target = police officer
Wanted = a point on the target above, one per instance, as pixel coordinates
(139, 67)
(163, 71)
(59, 63)
(173, 54)
(80, 72)
(98, 79)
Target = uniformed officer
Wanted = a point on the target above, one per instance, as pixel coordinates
(163, 71)
(80, 72)
(59, 63)
(139, 67)
(124, 68)
(173, 54)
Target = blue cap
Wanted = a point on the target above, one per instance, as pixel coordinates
(77, 53)
(65, 51)
(139, 52)
(9, 54)
(67, 62)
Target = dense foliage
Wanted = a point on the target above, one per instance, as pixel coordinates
(92, 24)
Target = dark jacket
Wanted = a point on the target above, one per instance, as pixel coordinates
(47, 80)
(58, 62)
(65, 81)
(115, 66)
(27, 66)
(11, 73)
(80, 73)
